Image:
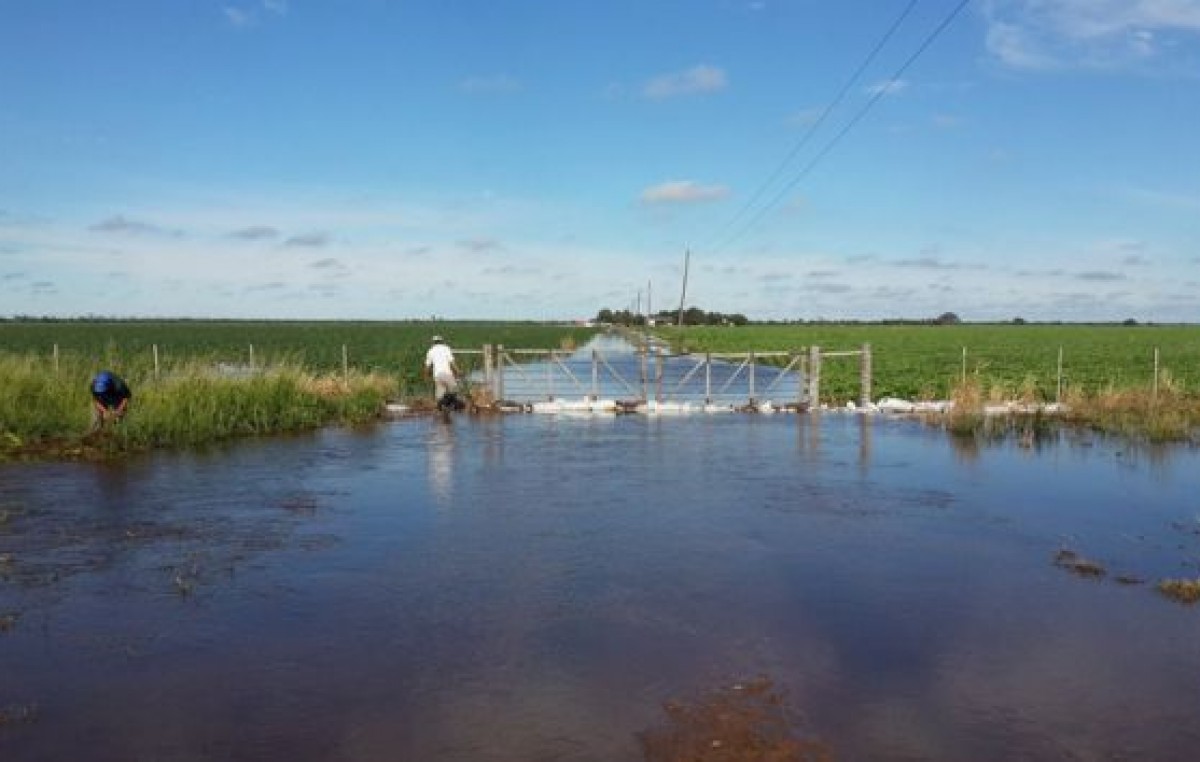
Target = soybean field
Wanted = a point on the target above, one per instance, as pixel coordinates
(369, 346)
(928, 361)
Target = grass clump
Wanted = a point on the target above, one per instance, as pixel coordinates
(966, 414)
(1162, 413)
(188, 404)
(1181, 590)
(1165, 414)
(1077, 564)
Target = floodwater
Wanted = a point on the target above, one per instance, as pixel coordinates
(535, 587)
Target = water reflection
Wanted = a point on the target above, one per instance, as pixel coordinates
(441, 454)
(865, 427)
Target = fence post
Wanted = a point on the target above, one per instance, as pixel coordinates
(642, 349)
(499, 387)
(864, 396)
(801, 377)
(658, 381)
(251, 357)
(155, 348)
(56, 359)
(964, 366)
(595, 375)
(707, 378)
(814, 376)
(751, 359)
(550, 375)
(345, 364)
(487, 367)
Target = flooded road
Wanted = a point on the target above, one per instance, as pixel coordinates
(535, 587)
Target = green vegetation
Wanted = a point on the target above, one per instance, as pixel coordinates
(393, 348)
(926, 361)
(205, 388)
(49, 412)
(690, 316)
(1108, 379)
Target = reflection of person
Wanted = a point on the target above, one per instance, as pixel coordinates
(440, 448)
(440, 365)
(110, 398)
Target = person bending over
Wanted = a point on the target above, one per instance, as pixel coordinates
(110, 399)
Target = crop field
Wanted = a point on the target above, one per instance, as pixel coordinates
(379, 347)
(929, 361)
(201, 381)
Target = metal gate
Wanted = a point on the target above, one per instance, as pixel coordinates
(645, 374)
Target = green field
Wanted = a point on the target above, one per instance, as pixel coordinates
(203, 388)
(927, 361)
(381, 347)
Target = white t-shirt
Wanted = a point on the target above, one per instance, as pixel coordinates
(439, 358)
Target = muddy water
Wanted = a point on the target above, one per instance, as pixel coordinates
(533, 588)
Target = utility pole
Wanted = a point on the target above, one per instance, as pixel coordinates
(687, 256)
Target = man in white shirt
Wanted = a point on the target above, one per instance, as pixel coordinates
(440, 365)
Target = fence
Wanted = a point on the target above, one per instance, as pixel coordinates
(1043, 373)
(650, 372)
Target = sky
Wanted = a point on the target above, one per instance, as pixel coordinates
(387, 159)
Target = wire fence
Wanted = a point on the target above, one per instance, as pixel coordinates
(1005, 371)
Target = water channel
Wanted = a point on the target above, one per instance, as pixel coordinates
(533, 587)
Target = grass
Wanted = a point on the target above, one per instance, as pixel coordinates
(204, 388)
(1181, 590)
(1108, 381)
(392, 348)
(927, 362)
(1165, 414)
(192, 404)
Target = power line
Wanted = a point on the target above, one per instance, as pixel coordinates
(816, 125)
(829, 146)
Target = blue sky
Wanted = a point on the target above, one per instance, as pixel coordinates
(383, 159)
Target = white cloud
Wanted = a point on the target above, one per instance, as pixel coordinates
(278, 7)
(350, 257)
(1045, 34)
(682, 192)
(702, 78)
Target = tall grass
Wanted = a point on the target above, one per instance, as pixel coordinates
(45, 410)
(1165, 412)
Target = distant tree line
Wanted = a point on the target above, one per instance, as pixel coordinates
(697, 316)
(691, 316)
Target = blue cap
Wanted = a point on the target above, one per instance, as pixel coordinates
(102, 381)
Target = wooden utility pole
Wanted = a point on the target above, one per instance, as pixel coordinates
(687, 256)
